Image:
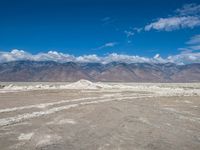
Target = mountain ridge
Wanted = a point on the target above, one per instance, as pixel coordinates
(50, 71)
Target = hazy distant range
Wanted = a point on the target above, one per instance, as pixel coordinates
(49, 71)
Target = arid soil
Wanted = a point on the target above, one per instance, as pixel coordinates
(112, 116)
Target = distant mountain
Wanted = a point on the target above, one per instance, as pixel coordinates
(113, 72)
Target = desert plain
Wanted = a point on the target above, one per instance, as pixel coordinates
(99, 116)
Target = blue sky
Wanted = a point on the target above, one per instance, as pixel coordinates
(101, 27)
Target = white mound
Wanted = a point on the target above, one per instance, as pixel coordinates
(83, 84)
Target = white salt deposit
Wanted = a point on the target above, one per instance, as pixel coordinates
(66, 121)
(157, 89)
(62, 121)
(81, 84)
(47, 139)
(188, 102)
(25, 136)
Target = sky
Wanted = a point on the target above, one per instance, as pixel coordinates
(100, 29)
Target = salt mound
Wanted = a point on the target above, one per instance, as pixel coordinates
(83, 84)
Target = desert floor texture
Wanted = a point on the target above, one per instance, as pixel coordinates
(99, 116)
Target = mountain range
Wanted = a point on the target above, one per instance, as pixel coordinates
(50, 71)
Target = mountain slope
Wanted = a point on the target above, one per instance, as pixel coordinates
(115, 71)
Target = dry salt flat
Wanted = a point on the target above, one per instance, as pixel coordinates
(103, 116)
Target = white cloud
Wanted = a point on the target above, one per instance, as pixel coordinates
(189, 9)
(105, 19)
(192, 45)
(186, 17)
(53, 55)
(137, 29)
(124, 58)
(111, 44)
(16, 55)
(106, 45)
(157, 56)
(194, 40)
(132, 31)
(185, 58)
(129, 33)
(195, 47)
(174, 23)
(185, 50)
(88, 58)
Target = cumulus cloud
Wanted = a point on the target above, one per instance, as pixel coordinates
(53, 55)
(88, 58)
(16, 55)
(185, 58)
(114, 57)
(186, 17)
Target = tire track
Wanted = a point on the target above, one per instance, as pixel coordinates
(44, 105)
(22, 117)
